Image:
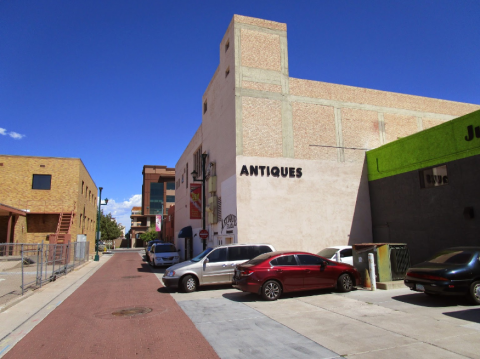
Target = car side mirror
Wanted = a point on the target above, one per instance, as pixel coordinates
(206, 260)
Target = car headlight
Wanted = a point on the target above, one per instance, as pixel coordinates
(169, 273)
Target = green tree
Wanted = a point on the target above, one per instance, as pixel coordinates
(149, 235)
(109, 227)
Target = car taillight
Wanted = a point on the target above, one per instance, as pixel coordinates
(425, 276)
(245, 272)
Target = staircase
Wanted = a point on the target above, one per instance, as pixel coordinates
(65, 222)
(61, 236)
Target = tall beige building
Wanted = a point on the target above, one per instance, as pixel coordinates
(57, 195)
(286, 156)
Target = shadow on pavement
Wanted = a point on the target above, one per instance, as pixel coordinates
(472, 315)
(242, 297)
(251, 297)
(430, 301)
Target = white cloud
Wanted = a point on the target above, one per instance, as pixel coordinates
(12, 134)
(16, 135)
(121, 211)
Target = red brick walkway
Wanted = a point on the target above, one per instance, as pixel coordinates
(83, 325)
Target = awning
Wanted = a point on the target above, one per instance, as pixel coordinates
(186, 232)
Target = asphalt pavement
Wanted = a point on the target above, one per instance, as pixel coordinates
(118, 308)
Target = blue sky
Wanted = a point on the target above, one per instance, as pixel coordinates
(119, 83)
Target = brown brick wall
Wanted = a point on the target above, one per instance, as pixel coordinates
(360, 129)
(429, 123)
(65, 194)
(261, 86)
(260, 50)
(314, 125)
(42, 223)
(20, 235)
(327, 91)
(398, 126)
(260, 22)
(262, 127)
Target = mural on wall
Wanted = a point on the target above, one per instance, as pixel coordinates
(229, 222)
(195, 201)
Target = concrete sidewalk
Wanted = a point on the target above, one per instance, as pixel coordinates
(116, 313)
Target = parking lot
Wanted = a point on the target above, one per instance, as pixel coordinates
(323, 324)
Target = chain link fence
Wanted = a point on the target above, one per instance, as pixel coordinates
(25, 266)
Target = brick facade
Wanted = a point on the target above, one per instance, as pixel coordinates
(72, 189)
(255, 115)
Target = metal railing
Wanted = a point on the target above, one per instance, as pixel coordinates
(26, 266)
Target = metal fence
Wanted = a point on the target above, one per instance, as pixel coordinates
(25, 266)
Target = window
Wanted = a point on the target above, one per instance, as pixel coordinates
(218, 255)
(346, 253)
(227, 71)
(170, 185)
(227, 45)
(170, 199)
(86, 192)
(307, 260)
(42, 182)
(156, 198)
(205, 107)
(197, 162)
(83, 187)
(433, 177)
(284, 261)
(238, 253)
(186, 175)
(164, 248)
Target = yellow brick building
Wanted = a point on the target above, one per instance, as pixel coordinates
(50, 190)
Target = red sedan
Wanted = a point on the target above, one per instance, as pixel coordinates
(272, 273)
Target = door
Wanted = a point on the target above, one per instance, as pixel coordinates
(288, 271)
(216, 270)
(316, 274)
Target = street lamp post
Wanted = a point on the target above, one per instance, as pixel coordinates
(97, 257)
(194, 175)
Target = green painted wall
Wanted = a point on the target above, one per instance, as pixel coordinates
(437, 145)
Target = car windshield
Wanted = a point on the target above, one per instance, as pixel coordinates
(201, 255)
(452, 257)
(163, 248)
(327, 252)
(259, 259)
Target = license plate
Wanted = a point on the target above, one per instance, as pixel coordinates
(419, 288)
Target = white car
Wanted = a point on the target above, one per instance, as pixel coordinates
(346, 255)
(163, 254)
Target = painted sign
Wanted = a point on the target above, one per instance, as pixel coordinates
(470, 135)
(158, 223)
(274, 171)
(229, 222)
(195, 201)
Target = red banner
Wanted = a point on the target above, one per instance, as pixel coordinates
(195, 201)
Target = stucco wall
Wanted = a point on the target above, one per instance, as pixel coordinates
(328, 205)
(428, 219)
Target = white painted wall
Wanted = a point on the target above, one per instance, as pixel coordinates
(307, 213)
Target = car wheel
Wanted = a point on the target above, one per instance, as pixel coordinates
(189, 284)
(344, 283)
(475, 292)
(271, 290)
